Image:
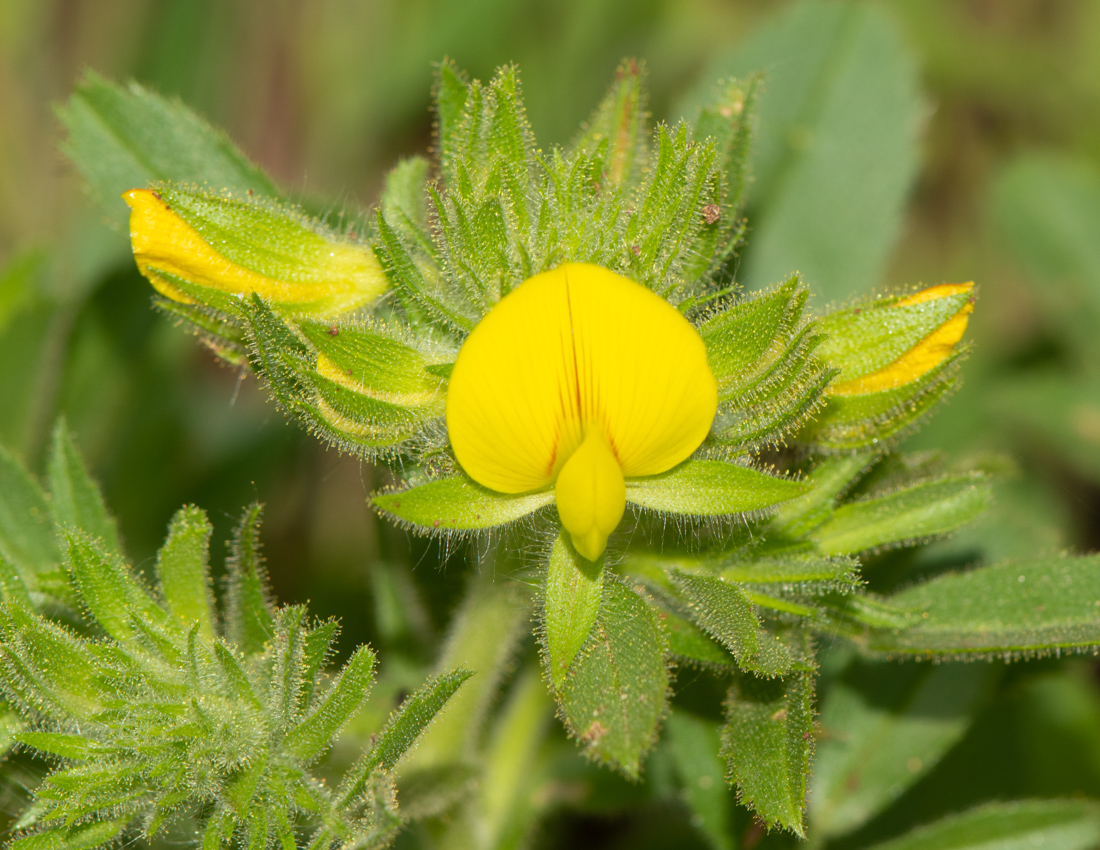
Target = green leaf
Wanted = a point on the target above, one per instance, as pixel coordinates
(1009, 610)
(725, 611)
(768, 741)
(458, 504)
(827, 481)
(184, 571)
(82, 837)
(403, 729)
(127, 137)
(886, 726)
(695, 744)
(248, 611)
(841, 108)
(1051, 824)
(710, 488)
(26, 532)
(12, 587)
(315, 734)
(904, 516)
(404, 201)
(74, 497)
(574, 587)
(62, 746)
(617, 690)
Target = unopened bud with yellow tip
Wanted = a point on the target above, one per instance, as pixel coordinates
(202, 248)
(886, 345)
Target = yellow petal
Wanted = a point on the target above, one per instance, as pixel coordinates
(567, 352)
(333, 277)
(923, 357)
(591, 494)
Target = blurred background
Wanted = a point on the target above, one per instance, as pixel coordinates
(903, 142)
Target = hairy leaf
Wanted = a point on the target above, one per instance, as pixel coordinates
(1011, 610)
(617, 690)
(184, 570)
(710, 488)
(458, 504)
(574, 587)
(75, 498)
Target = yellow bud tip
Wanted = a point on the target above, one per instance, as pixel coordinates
(575, 371)
(923, 357)
(591, 494)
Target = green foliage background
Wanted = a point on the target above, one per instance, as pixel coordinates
(941, 141)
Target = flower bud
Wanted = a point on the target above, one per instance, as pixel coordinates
(214, 250)
(896, 342)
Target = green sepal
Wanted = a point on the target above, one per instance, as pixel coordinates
(111, 593)
(874, 420)
(184, 570)
(249, 614)
(768, 741)
(762, 353)
(75, 499)
(710, 488)
(1009, 610)
(404, 202)
(614, 134)
(616, 691)
(571, 601)
(458, 504)
(904, 516)
(378, 365)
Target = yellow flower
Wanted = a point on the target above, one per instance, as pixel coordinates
(577, 380)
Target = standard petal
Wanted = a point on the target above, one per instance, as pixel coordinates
(570, 349)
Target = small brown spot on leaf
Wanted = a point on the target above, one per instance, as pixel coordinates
(711, 213)
(333, 330)
(594, 733)
(635, 249)
(435, 523)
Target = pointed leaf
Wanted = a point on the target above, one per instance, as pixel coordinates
(404, 728)
(885, 727)
(768, 741)
(1007, 610)
(75, 498)
(617, 690)
(83, 837)
(616, 130)
(828, 480)
(127, 137)
(841, 108)
(574, 587)
(710, 488)
(458, 504)
(935, 507)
